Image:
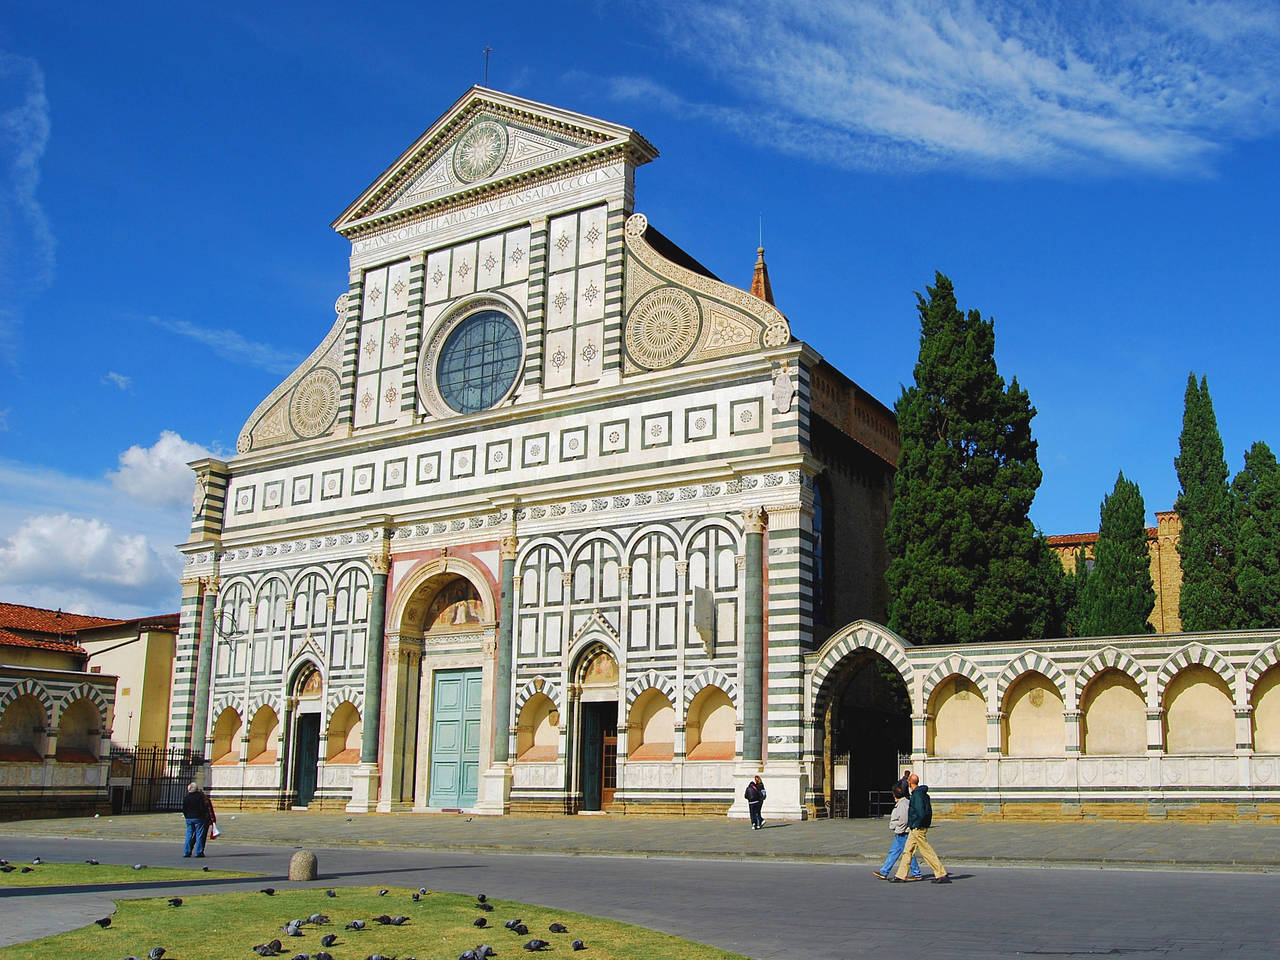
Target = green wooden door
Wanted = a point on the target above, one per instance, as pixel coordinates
(455, 739)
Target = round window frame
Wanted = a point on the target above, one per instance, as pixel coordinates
(433, 400)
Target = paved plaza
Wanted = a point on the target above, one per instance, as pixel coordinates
(794, 890)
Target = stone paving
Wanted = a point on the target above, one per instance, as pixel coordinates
(1250, 846)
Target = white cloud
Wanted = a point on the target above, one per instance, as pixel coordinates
(103, 545)
(117, 380)
(78, 562)
(1161, 85)
(26, 240)
(231, 345)
(159, 473)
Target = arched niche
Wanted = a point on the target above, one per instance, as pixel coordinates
(264, 729)
(226, 734)
(957, 719)
(342, 743)
(1034, 725)
(22, 730)
(710, 726)
(1199, 717)
(80, 732)
(1113, 716)
(652, 727)
(538, 730)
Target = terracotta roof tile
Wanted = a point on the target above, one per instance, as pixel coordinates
(17, 616)
(10, 639)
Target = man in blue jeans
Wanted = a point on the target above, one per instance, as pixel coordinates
(898, 824)
(198, 811)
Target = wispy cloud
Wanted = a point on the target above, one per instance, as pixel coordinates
(232, 345)
(27, 246)
(1161, 85)
(111, 378)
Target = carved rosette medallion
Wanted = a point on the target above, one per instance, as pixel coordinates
(314, 405)
(662, 328)
(480, 151)
(777, 334)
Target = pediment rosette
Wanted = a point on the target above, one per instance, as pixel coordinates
(487, 143)
(675, 315)
(305, 406)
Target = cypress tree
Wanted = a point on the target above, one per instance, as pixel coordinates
(1075, 581)
(1118, 595)
(965, 562)
(1207, 543)
(1256, 492)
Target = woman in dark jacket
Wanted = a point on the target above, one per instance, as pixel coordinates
(755, 800)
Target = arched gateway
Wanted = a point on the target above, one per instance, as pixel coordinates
(860, 712)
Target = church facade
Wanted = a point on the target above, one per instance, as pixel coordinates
(554, 520)
(540, 523)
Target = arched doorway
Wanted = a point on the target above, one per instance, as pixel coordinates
(596, 676)
(306, 690)
(867, 728)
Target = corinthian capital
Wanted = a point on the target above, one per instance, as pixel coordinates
(510, 544)
(379, 563)
(754, 519)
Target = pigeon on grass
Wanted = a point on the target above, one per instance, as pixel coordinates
(382, 918)
(484, 951)
(322, 956)
(558, 928)
(265, 950)
(175, 901)
(331, 893)
(479, 922)
(355, 925)
(104, 922)
(92, 862)
(536, 944)
(511, 924)
(156, 953)
(318, 919)
(579, 945)
(27, 870)
(520, 928)
(399, 921)
(328, 940)
(269, 891)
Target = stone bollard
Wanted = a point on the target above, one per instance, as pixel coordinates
(302, 865)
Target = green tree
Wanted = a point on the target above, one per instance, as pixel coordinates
(965, 562)
(1207, 543)
(1075, 581)
(1118, 595)
(1256, 492)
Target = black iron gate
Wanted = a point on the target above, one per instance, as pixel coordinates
(158, 778)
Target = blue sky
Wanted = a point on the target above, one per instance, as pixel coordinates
(1103, 184)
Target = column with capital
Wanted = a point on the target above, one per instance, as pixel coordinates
(200, 739)
(364, 780)
(495, 787)
(751, 685)
(754, 520)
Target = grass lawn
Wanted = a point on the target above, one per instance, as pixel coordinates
(227, 926)
(77, 874)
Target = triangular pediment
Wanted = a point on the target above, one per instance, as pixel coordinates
(487, 142)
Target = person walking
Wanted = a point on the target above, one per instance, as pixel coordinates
(919, 818)
(197, 808)
(898, 824)
(755, 794)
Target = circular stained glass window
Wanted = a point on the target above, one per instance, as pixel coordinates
(479, 362)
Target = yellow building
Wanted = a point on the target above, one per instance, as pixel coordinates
(1166, 565)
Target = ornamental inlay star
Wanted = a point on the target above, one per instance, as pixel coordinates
(490, 262)
(589, 352)
(561, 300)
(463, 269)
(562, 242)
(517, 255)
(391, 394)
(375, 294)
(593, 235)
(366, 401)
(394, 341)
(437, 276)
(398, 288)
(590, 294)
